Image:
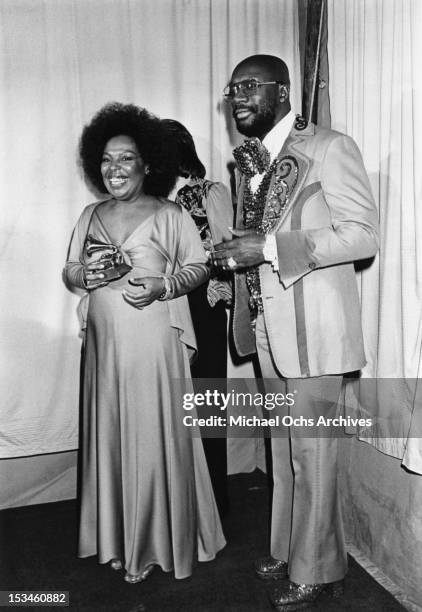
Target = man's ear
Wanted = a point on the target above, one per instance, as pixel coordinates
(283, 92)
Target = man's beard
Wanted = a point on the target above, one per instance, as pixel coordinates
(263, 120)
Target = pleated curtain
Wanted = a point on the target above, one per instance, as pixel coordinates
(60, 61)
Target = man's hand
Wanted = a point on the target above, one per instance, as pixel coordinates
(149, 289)
(244, 251)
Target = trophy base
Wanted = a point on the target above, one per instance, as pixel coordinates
(116, 272)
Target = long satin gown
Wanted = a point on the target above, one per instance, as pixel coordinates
(146, 496)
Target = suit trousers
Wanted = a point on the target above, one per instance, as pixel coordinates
(306, 521)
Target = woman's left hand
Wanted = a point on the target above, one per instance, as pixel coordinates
(149, 289)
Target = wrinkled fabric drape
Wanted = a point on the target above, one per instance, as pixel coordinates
(59, 63)
(376, 97)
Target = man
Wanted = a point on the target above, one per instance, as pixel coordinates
(305, 214)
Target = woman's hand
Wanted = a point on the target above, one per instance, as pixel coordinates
(149, 289)
(93, 275)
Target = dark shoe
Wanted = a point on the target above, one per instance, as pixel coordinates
(298, 596)
(269, 568)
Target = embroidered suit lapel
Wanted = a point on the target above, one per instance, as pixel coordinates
(291, 169)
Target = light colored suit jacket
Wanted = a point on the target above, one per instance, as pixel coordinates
(323, 215)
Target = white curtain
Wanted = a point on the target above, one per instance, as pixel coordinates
(375, 49)
(60, 61)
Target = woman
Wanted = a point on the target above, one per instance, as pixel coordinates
(146, 497)
(209, 204)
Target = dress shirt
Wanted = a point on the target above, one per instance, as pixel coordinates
(274, 141)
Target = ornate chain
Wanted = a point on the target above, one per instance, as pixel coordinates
(253, 213)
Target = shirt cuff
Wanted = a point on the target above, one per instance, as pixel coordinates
(270, 252)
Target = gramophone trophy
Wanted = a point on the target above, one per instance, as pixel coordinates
(108, 255)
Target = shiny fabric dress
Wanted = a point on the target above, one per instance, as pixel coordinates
(146, 496)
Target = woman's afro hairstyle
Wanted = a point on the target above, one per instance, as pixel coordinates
(147, 131)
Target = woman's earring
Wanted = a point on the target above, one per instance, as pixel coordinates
(147, 170)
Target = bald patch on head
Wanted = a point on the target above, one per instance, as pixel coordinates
(267, 67)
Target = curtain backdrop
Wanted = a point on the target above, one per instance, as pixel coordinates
(59, 62)
(376, 97)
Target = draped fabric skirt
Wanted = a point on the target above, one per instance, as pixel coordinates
(146, 496)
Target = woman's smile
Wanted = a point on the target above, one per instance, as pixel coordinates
(117, 181)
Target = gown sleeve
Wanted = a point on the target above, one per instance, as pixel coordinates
(219, 209)
(176, 234)
(73, 270)
(192, 268)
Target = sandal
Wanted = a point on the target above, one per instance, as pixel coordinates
(134, 578)
(116, 564)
